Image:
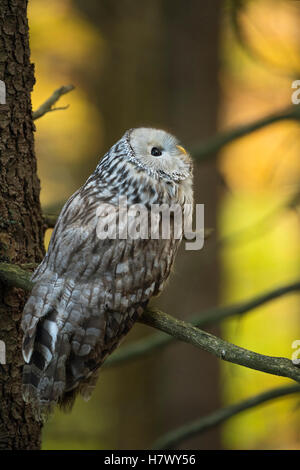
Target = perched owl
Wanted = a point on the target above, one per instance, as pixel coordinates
(88, 291)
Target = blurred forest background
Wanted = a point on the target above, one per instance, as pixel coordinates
(193, 68)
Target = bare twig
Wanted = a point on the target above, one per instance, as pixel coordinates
(171, 439)
(46, 107)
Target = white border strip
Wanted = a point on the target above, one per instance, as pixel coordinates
(2, 92)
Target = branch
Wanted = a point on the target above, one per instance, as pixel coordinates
(173, 438)
(158, 341)
(14, 276)
(46, 107)
(212, 145)
(229, 352)
(186, 332)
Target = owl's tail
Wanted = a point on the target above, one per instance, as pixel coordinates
(62, 345)
(44, 377)
(45, 348)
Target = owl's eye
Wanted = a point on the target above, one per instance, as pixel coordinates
(155, 152)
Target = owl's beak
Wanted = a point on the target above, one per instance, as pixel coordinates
(181, 149)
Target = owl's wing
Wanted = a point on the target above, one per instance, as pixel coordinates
(87, 294)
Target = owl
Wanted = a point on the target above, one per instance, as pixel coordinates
(89, 291)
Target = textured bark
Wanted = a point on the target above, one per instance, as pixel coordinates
(21, 223)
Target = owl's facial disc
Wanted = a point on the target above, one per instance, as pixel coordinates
(158, 150)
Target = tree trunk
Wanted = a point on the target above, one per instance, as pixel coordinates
(21, 224)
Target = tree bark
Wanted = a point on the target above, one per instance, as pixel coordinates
(21, 223)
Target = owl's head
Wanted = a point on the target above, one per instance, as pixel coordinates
(159, 152)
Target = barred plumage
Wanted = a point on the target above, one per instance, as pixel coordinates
(88, 292)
